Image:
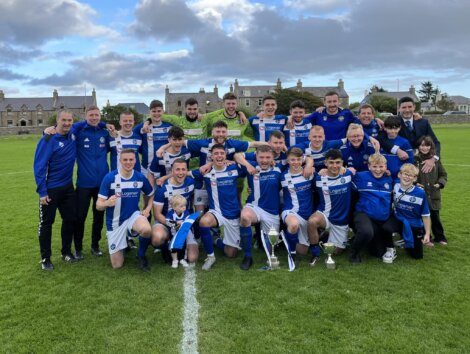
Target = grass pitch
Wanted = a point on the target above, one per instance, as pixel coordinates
(410, 306)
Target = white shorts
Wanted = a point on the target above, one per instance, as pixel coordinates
(190, 240)
(303, 235)
(338, 234)
(201, 197)
(265, 219)
(231, 229)
(117, 239)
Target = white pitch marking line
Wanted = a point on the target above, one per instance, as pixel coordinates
(454, 164)
(14, 173)
(190, 312)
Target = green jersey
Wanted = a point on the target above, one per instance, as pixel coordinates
(236, 130)
(192, 130)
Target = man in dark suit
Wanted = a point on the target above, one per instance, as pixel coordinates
(412, 129)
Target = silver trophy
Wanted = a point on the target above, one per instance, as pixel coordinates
(273, 237)
(329, 248)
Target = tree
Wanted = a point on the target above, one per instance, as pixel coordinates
(110, 114)
(427, 92)
(376, 88)
(354, 105)
(284, 97)
(445, 104)
(384, 104)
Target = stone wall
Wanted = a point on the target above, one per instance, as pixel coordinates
(21, 130)
(452, 119)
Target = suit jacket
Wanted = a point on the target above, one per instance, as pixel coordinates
(421, 127)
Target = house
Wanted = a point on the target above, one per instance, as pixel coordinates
(208, 101)
(251, 96)
(462, 103)
(393, 94)
(139, 107)
(35, 111)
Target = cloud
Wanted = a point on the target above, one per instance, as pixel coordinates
(13, 55)
(35, 22)
(7, 74)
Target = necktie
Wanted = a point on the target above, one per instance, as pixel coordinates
(408, 126)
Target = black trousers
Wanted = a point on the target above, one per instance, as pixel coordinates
(84, 196)
(62, 198)
(417, 251)
(376, 235)
(436, 226)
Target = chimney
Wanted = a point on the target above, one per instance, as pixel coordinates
(299, 85)
(2, 95)
(108, 104)
(93, 95)
(201, 90)
(235, 87)
(216, 90)
(55, 98)
(167, 90)
(231, 88)
(341, 84)
(412, 90)
(278, 84)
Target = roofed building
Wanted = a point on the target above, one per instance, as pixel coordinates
(139, 107)
(35, 111)
(462, 103)
(208, 101)
(393, 94)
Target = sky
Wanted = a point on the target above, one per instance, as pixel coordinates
(130, 50)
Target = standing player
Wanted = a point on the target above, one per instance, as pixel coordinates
(277, 143)
(262, 127)
(263, 203)
(237, 123)
(299, 132)
(334, 190)
(119, 195)
(194, 127)
(126, 139)
(92, 148)
(298, 201)
(224, 206)
(53, 169)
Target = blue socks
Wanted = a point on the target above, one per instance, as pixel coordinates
(206, 238)
(315, 250)
(220, 244)
(292, 241)
(246, 237)
(144, 243)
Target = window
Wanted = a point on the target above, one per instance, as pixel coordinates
(247, 93)
(9, 123)
(247, 103)
(39, 121)
(179, 103)
(260, 102)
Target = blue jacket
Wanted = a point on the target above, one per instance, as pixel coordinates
(53, 162)
(92, 148)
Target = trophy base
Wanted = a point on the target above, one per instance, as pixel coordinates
(274, 263)
(330, 265)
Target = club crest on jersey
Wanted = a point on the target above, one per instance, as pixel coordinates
(134, 142)
(387, 186)
(118, 142)
(113, 247)
(369, 184)
(102, 139)
(186, 189)
(412, 199)
(164, 130)
(73, 137)
(341, 118)
(61, 144)
(365, 157)
(135, 184)
(342, 180)
(230, 173)
(325, 119)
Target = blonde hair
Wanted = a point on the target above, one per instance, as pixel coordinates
(317, 127)
(177, 200)
(354, 126)
(377, 158)
(410, 169)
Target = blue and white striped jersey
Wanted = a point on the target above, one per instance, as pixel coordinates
(298, 193)
(411, 204)
(162, 166)
(262, 127)
(202, 148)
(133, 141)
(128, 193)
(298, 134)
(152, 141)
(164, 193)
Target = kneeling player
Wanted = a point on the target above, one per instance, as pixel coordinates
(119, 195)
(262, 205)
(298, 202)
(334, 192)
(224, 207)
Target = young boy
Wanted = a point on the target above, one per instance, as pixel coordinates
(298, 202)
(392, 128)
(371, 218)
(411, 208)
(174, 218)
(300, 130)
(334, 192)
